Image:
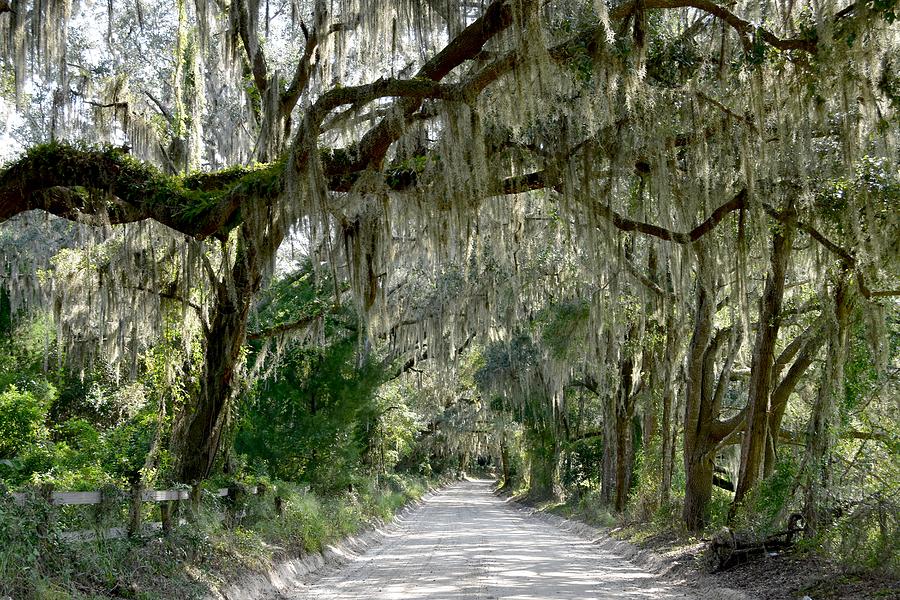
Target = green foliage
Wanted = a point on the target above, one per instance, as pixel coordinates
(672, 58)
(543, 456)
(315, 417)
(765, 509)
(866, 536)
(585, 456)
(307, 422)
(589, 508)
(77, 431)
(21, 421)
(508, 364)
(644, 499)
(564, 328)
(20, 545)
(35, 563)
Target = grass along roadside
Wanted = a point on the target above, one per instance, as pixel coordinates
(197, 557)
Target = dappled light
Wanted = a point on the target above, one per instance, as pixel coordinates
(269, 271)
(467, 543)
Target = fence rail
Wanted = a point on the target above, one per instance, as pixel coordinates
(135, 498)
(72, 498)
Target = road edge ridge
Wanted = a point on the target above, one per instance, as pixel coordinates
(646, 559)
(287, 575)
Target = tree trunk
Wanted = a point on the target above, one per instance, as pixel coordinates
(544, 469)
(651, 362)
(198, 434)
(698, 486)
(624, 414)
(698, 464)
(702, 427)
(781, 393)
(464, 461)
(668, 393)
(504, 463)
(755, 434)
(608, 468)
(816, 469)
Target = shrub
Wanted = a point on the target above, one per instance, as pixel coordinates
(22, 418)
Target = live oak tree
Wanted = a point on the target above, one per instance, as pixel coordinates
(684, 147)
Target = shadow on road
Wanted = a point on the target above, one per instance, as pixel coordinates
(466, 543)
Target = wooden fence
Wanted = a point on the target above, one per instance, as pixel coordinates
(168, 500)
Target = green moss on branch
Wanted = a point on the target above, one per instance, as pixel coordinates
(99, 184)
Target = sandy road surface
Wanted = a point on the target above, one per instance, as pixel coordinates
(464, 542)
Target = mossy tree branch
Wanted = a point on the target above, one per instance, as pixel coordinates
(745, 29)
(107, 186)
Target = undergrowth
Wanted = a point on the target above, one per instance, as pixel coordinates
(226, 537)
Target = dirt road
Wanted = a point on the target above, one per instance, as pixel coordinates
(464, 542)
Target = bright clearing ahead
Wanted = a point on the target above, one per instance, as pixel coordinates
(467, 543)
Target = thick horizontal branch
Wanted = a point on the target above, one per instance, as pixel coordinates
(737, 202)
(414, 89)
(545, 179)
(587, 435)
(745, 29)
(846, 257)
(284, 328)
(374, 145)
(467, 45)
(108, 187)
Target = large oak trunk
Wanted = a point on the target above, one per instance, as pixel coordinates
(756, 434)
(198, 433)
(703, 399)
(698, 467)
(668, 397)
(821, 428)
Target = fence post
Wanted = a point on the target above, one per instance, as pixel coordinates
(234, 504)
(165, 515)
(195, 502)
(110, 496)
(175, 509)
(134, 514)
(45, 491)
(44, 518)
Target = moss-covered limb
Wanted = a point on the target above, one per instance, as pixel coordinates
(466, 46)
(255, 56)
(745, 29)
(303, 70)
(373, 146)
(106, 185)
(338, 163)
(416, 89)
